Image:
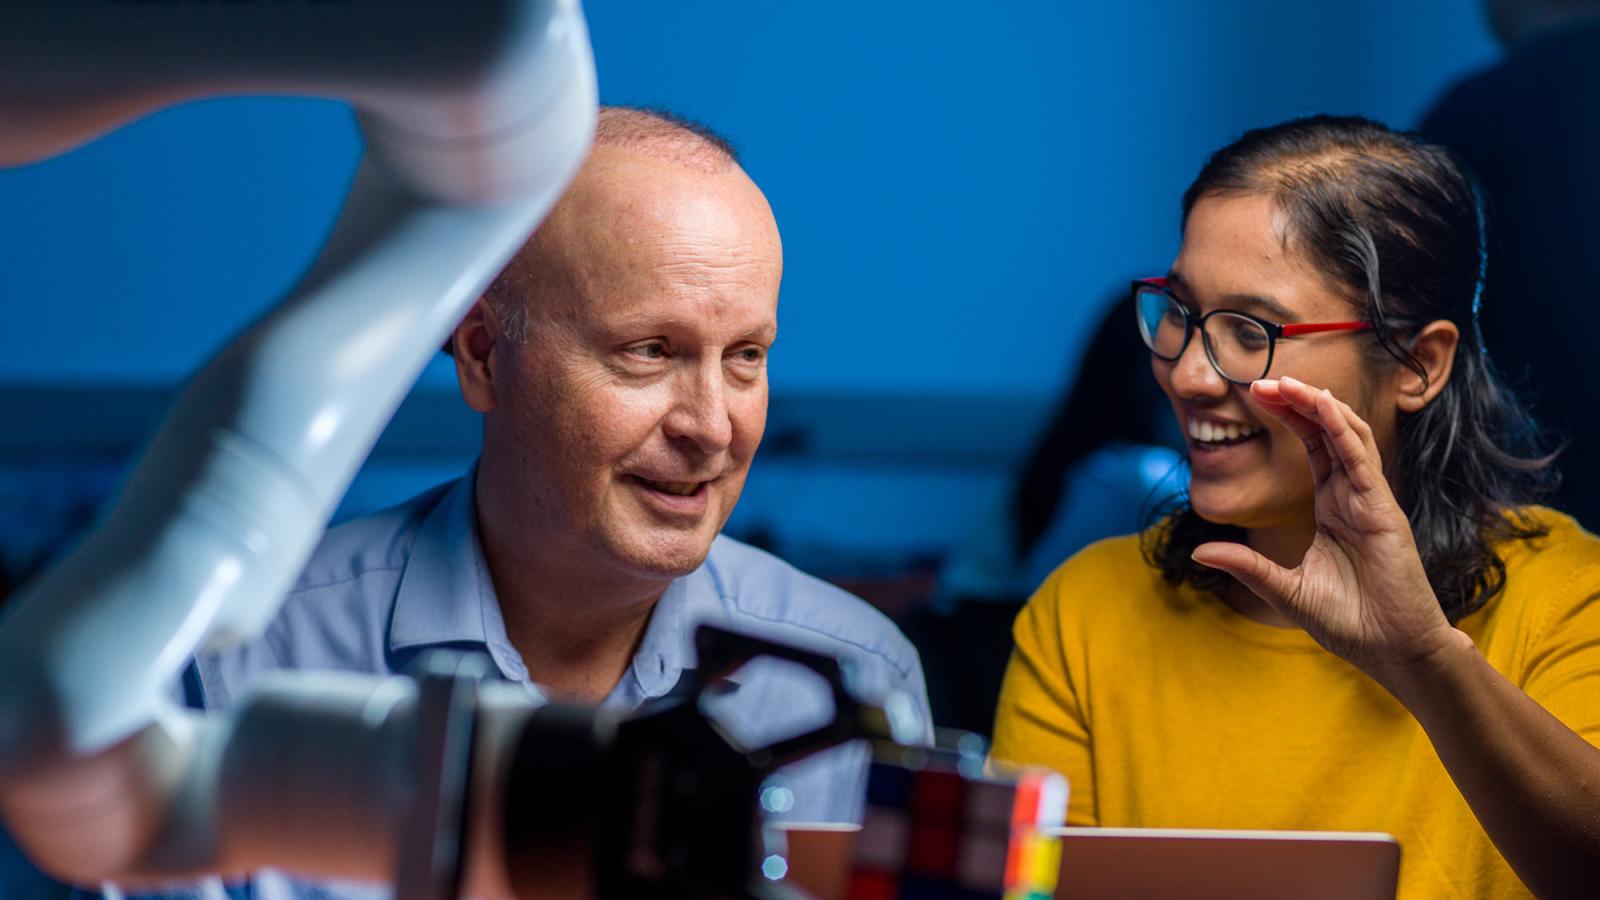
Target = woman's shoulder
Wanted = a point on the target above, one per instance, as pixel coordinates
(1546, 618)
(1109, 578)
(1558, 566)
(1560, 548)
(1108, 558)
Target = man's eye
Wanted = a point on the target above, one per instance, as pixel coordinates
(751, 354)
(651, 350)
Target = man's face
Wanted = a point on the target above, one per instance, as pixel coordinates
(618, 435)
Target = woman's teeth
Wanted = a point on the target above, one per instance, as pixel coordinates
(1216, 432)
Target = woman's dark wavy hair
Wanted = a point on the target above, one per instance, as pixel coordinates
(1393, 223)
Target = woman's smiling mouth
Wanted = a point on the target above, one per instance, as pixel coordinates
(1207, 434)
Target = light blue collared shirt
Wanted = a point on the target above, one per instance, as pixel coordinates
(381, 589)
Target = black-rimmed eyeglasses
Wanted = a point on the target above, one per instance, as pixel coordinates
(1238, 344)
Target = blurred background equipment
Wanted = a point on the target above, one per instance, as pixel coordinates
(938, 826)
(1105, 462)
(665, 800)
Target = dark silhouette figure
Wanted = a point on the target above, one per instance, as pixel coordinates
(1102, 460)
(1528, 127)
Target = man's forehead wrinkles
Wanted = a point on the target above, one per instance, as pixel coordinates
(669, 261)
(696, 269)
(686, 307)
(649, 232)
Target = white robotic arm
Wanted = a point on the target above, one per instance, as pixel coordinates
(477, 114)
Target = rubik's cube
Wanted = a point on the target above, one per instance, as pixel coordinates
(933, 833)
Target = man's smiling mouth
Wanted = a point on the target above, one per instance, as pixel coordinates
(676, 488)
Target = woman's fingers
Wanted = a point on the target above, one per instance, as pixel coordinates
(1265, 578)
(1302, 398)
(1267, 393)
(1357, 451)
(1346, 436)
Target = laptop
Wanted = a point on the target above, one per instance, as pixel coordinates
(1197, 864)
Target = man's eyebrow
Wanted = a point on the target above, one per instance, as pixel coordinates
(640, 323)
(1264, 306)
(767, 331)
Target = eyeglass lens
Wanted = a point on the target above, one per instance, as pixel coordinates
(1237, 345)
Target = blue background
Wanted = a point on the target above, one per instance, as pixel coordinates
(958, 185)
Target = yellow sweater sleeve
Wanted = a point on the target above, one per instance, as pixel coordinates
(1040, 720)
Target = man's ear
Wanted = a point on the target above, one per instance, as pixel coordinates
(473, 345)
(1434, 346)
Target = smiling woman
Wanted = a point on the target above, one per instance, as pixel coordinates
(1318, 212)
(1355, 619)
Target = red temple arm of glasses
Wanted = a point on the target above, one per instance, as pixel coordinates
(1313, 328)
(1288, 330)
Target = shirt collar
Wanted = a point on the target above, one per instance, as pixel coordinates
(668, 645)
(446, 595)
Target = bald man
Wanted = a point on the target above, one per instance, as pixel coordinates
(620, 364)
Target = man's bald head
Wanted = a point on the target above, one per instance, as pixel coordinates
(666, 136)
(620, 363)
(655, 134)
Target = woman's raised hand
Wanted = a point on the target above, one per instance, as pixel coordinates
(1360, 590)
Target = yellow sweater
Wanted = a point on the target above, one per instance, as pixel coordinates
(1165, 708)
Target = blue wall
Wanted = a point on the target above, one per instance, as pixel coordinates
(954, 187)
(958, 186)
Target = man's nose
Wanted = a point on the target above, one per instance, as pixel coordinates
(700, 410)
(1193, 375)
